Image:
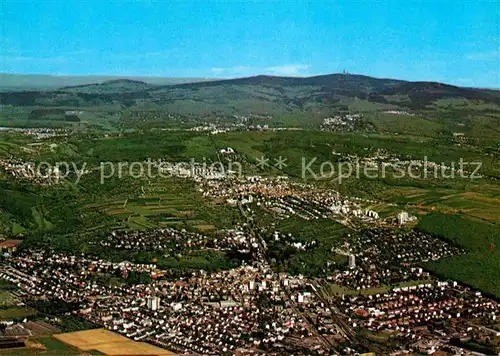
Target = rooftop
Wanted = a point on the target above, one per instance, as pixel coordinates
(10, 243)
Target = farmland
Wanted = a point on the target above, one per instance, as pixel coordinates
(108, 343)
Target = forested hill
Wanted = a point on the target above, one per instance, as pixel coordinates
(274, 97)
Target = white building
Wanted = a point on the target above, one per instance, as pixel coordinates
(352, 261)
(403, 218)
(153, 303)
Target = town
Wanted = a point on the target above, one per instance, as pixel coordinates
(253, 308)
(371, 287)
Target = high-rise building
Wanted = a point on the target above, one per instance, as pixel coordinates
(153, 303)
(352, 261)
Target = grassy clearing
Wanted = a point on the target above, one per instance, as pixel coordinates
(48, 346)
(6, 298)
(16, 313)
(401, 124)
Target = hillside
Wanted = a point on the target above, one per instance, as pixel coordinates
(261, 94)
(332, 81)
(110, 86)
(433, 108)
(20, 82)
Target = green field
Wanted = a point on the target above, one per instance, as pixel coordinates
(480, 266)
(336, 290)
(52, 347)
(16, 313)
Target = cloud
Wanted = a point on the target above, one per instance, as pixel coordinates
(79, 52)
(288, 70)
(465, 81)
(139, 55)
(56, 59)
(484, 56)
(282, 70)
(15, 56)
(217, 70)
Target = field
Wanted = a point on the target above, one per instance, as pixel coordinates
(337, 290)
(480, 202)
(480, 266)
(16, 313)
(169, 202)
(7, 299)
(109, 343)
(9, 308)
(47, 346)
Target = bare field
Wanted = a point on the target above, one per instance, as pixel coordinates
(109, 343)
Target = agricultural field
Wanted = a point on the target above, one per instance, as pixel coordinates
(108, 343)
(7, 299)
(48, 346)
(9, 304)
(16, 313)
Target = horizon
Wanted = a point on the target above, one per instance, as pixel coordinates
(144, 78)
(445, 42)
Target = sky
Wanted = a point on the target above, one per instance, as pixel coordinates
(456, 42)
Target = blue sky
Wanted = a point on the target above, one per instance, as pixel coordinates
(450, 41)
